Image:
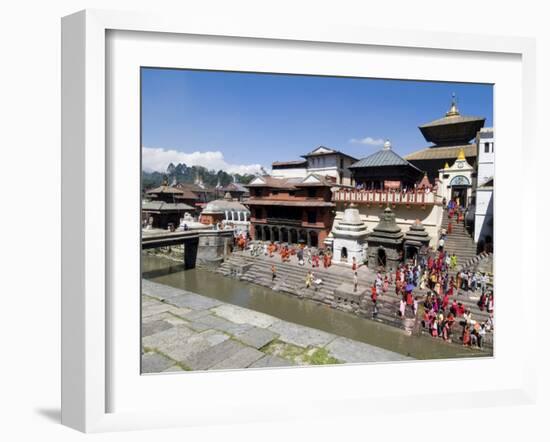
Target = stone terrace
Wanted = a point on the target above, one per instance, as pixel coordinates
(185, 331)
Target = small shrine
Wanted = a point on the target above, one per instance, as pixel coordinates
(349, 238)
(416, 242)
(189, 223)
(456, 180)
(228, 212)
(385, 243)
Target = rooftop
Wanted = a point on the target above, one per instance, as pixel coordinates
(165, 189)
(161, 206)
(235, 187)
(384, 157)
(221, 205)
(453, 128)
(193, 187)
(295, 163)
(289, 203)
(441, 153)
(323, 150)
(292, 183)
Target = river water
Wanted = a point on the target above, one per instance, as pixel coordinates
(292, 309)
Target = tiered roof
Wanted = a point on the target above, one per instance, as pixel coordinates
(387, 231)
(417, 235)
(453, 128)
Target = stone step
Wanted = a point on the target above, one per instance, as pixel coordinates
(293, 284)
(296, 274)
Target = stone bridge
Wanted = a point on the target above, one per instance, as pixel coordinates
(204, 246)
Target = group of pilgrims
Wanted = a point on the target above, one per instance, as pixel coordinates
(436, 275)
(304, 254)
(441, 307)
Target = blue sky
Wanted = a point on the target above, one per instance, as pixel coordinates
(239, 121)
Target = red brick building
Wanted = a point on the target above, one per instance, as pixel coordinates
(291, 210)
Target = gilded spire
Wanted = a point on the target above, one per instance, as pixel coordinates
(461, 155)
(453, 111)
(446, 165)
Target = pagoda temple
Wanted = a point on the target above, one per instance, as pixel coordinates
(416, 242)
(448, 136)
(385, 243)
(385, 179)
(164, 206)
(385, 169)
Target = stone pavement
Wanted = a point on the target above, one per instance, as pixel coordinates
(186, 331)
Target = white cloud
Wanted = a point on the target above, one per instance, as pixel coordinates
(368, 140)
(158, 159)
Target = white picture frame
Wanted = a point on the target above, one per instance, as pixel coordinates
(86, 216)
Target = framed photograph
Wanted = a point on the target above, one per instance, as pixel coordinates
(271, 221)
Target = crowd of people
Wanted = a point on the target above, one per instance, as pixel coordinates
(304, 254)
(436, 275)
(442, 308)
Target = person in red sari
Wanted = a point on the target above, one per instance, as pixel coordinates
(398, 285)
(466, 336)
(445, 301)
(409, 299)
(451, 289)
(325, 260)
(315, 260)
(373, 293)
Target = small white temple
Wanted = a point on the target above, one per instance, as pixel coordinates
(349, 238)
(456, 180)
(189, 223)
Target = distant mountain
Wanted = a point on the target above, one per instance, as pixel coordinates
(182, 173)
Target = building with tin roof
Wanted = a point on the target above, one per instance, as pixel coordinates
(291, 210)
(385, 169)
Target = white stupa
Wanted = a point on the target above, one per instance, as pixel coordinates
(189, 222)
(350, 237)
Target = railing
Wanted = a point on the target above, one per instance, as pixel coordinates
(384, 197)
(290, 222)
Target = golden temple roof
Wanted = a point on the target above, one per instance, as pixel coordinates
(438, 153)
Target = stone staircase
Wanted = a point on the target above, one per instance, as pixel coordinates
(291, 280)
(459, 241)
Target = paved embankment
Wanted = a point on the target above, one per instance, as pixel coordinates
(182, 330)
